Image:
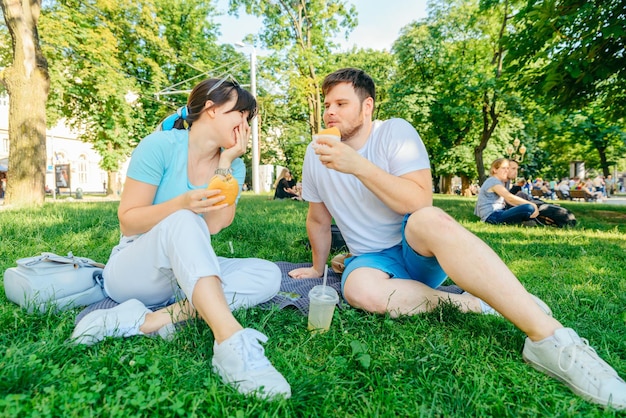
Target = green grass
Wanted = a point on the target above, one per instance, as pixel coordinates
(443, 363)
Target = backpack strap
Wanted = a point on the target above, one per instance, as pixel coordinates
(55, 258)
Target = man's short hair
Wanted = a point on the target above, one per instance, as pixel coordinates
(363, 84)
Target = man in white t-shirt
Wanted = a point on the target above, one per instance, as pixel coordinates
(376, 184)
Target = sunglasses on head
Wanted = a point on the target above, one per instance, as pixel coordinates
(215, 86)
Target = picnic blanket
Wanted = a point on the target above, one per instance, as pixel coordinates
(294, 293)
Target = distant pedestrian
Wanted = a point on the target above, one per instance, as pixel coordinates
(496, 205)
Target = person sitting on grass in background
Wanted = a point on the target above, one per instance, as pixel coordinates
(298, 190)
(511, 179)
(491, 205)
(515, 188)
(376, 184)
(512, 185)
(285, 186)
(165, 258)
(518, 187)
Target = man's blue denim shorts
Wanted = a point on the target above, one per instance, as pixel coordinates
(399, 262)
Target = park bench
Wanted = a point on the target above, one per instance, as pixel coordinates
(536, 193)
(575, 195)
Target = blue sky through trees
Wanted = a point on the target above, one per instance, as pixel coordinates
(379, 22)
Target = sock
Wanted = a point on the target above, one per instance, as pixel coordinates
(486, 309)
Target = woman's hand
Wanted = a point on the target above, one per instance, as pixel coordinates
(202, 201)
(242, 133)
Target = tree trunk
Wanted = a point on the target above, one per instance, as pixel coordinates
(27, 83)
(112, 185)
(490, 115)
(490, 121)
(446, 184)
(604, 163)
(465, 183)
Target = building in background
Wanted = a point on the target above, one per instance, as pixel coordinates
(70, 162)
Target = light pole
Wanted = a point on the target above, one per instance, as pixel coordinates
(516, 151)
(255, 122)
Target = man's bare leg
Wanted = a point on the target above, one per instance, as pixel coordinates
(372, 290)
(476, 268)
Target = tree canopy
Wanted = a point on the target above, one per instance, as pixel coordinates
(301, 33)
(574, 52)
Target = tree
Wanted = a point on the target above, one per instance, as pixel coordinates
(492, 105)
(285, 116)
(103, 52)
(300, 32)
(380, 65)
(26, 80)
(591, 128)
(573, 51)
(450, 83)
(89, 83)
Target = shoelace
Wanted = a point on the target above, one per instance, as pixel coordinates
(584, 347)
(252, 351)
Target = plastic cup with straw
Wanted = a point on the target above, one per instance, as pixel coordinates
(322, 301)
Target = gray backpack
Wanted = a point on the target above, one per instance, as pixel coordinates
(51, 281)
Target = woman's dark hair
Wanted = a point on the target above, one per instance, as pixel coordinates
(360, 80)
(219, 91)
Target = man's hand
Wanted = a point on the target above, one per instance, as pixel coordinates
(305, 273)
(339, 156)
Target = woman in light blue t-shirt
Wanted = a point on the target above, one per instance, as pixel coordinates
(493, 197)
(165, 257)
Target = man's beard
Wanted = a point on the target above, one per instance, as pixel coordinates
(347, 135)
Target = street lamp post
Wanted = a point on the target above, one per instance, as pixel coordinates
(256, 187)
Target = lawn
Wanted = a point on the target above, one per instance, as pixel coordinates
(443, 363)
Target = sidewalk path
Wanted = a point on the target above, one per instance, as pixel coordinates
(620, 200)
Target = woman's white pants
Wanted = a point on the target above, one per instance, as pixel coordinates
(154, 267)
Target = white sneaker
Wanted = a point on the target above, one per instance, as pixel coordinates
(570, 359)
(241, 361)
(123, 320)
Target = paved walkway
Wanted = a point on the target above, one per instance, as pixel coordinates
(620, 200)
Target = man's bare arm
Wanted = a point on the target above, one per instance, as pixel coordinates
(318, 229)
(403, 194)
